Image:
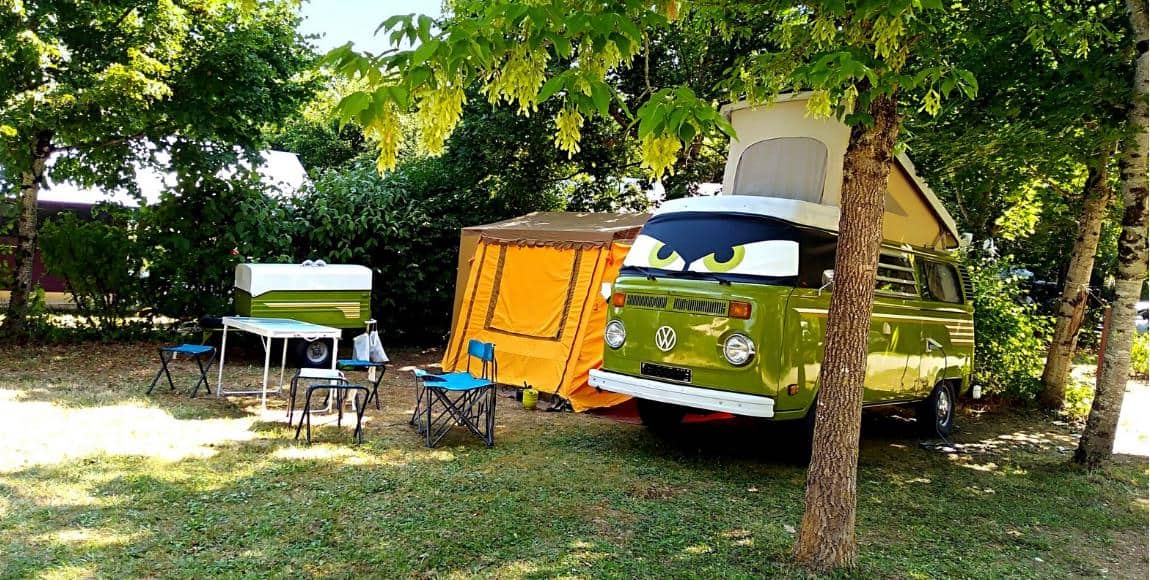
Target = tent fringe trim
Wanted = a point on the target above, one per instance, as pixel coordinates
(558, 244)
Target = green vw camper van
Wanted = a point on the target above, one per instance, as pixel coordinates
(721, 303)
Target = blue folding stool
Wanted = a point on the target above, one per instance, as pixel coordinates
(461, 398)
(196, 352)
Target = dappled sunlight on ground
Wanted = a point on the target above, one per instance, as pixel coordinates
(101, 480)
(39, 433)
(86, 538)
(344, 455)
(69, 572)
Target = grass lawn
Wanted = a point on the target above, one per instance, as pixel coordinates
(97, 479)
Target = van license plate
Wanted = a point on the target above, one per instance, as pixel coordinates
(665, 372)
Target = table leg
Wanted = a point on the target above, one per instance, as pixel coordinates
(220, 376)
(267, 364)
(334, 361)
(283, 363)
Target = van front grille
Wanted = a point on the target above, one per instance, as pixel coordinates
(646, 301)
(700, 306)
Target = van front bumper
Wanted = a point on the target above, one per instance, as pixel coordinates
(684, 395)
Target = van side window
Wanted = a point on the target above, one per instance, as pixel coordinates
(895, 275)
(940, 282)
(816, 254)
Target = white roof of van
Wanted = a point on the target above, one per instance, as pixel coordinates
(805, 213)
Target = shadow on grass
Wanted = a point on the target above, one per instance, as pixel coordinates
(177, 487)
(320, 510)
(178, 404)
(609, 502)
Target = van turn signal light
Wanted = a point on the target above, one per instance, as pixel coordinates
(738, 309)
(792, 389)
(618, 299)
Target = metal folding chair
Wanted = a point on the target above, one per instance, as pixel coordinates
(366, 365)
(196, 352)
(461, 398)
(341, 390)
(333, 377)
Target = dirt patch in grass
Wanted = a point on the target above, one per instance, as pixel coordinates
(97, 478)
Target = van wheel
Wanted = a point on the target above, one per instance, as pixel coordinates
(660, 417)
(803, 432)
(936, 414)
(315, 354)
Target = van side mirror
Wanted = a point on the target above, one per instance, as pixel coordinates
(828, 280)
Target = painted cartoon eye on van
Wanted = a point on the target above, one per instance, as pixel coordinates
(721, 303)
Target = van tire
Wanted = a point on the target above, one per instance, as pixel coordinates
(660, 417)
(804, 435)
(935, 415)
(316, 354)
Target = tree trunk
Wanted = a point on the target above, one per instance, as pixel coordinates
(1072, 304)
(827, 535)
(26, 228)
(1097, 442)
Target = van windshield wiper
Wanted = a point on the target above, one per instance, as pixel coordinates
(723, 280)
(649, 273)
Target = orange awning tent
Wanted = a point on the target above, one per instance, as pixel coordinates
(531, 285)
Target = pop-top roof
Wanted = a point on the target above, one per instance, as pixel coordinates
(565, 226)
(257, 279)
(804, 213)
(783, 152)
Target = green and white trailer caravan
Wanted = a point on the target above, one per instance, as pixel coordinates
(336, 295)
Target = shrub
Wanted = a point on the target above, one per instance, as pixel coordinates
(1140, 355)
(1012, 338)
(405, 227)
(1079, 397)
(99, 261)
(193, 240)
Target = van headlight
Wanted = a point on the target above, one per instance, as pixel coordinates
(615, 334)
(738, 350)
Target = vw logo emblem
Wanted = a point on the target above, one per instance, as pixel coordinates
(665, 338)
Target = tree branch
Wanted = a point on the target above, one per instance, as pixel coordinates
(102, 143)
(1050, 183)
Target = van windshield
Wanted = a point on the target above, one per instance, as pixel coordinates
(724, 246)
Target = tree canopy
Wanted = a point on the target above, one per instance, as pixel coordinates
(93, 86)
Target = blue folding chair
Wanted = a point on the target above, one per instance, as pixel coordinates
(461, 398)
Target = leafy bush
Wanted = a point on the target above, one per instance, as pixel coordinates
(1079, 397)
(1012, 338)
(320, 144)
(98, 259)
(405, 227)
(1140, 355)
(194, 239)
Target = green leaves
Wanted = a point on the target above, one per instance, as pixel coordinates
(552, 86)
(424, 51)
(507, 47)
(351, 105)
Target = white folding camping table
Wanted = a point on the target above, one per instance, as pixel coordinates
(268, 329)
